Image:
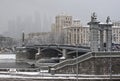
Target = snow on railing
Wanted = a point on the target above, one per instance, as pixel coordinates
(72, 61)
(85, 57)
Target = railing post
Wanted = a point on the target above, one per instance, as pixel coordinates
(52, 71)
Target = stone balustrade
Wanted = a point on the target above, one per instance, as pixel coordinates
(97, 63)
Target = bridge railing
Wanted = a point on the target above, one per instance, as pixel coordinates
(85, 57)
(57, 45)
(108, 54)
(72, 61)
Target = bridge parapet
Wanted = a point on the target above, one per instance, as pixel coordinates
(91, 63)
(107, 54)
(72, 61)
(66, 51)
(61, 46)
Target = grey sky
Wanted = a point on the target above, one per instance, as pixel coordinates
(80, 9)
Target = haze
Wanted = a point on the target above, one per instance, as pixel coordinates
(46, 10)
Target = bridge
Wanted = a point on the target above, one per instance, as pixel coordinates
(91, 63)
(94, 63)
(92, 66)
(35, 52)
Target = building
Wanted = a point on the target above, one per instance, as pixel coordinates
(37, 38)
(74, 32)
(53, 28)
(6, 41)
(116, 34)
(61, 21)
(37, 34)
(80, 35)
(77, 34)
(116, 23)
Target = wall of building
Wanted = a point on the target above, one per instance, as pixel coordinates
(82, 34)
(77, 35)
(62, 21)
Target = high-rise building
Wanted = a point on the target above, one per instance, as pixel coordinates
(62, 21)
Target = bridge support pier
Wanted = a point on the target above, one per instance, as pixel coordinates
(63, 54)
(37, 54)
(109, 39)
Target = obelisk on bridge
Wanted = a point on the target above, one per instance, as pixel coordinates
(94, 29)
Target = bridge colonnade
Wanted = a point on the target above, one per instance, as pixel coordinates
(97, 34)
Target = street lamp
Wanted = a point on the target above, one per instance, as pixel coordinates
(77, 63)
(110, 67)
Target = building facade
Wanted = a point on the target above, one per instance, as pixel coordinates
(116, 23)
(61, 21)
(116, 34)
(37, 38)
(75, 33)
(37, 34)
(80, 35)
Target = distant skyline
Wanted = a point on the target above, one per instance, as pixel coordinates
(79, 9)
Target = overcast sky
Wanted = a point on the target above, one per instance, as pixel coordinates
(80, 9)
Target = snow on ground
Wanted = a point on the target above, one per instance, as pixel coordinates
(7, 56)
(28, 73)
(38, 75)
(45, 77)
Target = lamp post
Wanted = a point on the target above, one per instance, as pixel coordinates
(110, 67)
(77, 63)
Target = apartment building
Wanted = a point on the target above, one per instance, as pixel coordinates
(77, 34)
(61, 21)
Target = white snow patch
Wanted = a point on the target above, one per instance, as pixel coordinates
(7, 56)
